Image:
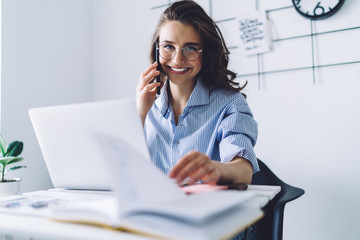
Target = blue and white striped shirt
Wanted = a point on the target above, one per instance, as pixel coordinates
(216, 122)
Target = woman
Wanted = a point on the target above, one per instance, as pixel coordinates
(200, 127)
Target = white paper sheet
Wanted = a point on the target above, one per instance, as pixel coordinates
(254, 33)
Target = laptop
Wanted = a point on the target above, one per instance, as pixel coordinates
(69, 135)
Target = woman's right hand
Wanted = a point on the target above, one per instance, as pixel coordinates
(146, 91)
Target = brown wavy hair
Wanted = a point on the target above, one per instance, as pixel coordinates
(214, 71)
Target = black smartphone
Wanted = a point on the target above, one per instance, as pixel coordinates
(157, 58)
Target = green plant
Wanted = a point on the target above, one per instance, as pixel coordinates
(9, 155)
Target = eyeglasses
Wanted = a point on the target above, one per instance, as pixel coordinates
(190, 53)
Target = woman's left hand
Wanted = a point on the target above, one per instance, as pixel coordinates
(196, 166)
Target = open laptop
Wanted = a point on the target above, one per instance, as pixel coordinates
(67, 138)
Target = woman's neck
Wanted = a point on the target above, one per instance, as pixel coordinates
(179, 96)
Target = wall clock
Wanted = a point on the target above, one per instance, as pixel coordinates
(315, 9)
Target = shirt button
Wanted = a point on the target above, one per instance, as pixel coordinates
(176, 142)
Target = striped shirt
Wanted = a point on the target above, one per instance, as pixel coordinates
(216, 122)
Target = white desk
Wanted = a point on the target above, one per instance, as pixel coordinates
(21, 227)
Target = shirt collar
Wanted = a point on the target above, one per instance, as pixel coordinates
(199, 96)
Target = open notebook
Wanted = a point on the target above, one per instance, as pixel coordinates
(101, 145)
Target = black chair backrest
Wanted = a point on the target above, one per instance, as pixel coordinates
(271, 226)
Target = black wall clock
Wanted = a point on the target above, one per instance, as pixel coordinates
(315, 9)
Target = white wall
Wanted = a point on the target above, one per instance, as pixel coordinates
(46, 60)
(309, 133)
(120, 46)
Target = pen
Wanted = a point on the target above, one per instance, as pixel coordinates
(12, 205)
(11, 202)
(40, 204)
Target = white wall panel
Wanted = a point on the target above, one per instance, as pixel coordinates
(287, 23)
(46, 60)
(242, 64)
(344, 18)
(273, 4)
(338, 47)
(294, 53)
(221, 9)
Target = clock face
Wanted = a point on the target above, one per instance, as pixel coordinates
(316, 9)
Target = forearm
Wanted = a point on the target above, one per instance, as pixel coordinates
(239, 170)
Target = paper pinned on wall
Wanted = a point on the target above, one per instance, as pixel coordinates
(255, 34)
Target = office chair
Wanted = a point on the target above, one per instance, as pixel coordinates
(271, 226)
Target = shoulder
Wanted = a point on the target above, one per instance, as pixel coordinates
(227, 98)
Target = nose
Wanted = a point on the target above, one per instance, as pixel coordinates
(179, 57)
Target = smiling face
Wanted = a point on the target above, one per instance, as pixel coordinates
(174, 36)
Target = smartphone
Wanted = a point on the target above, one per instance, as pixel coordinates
(158, 67)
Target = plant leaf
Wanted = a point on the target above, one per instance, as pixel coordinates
(15, 148)
(8, 160)
(4, 160)
(14, 168)
(3, 147)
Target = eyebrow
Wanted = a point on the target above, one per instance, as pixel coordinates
(186, 44)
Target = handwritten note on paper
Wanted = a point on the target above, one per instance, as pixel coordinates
(255, 35)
